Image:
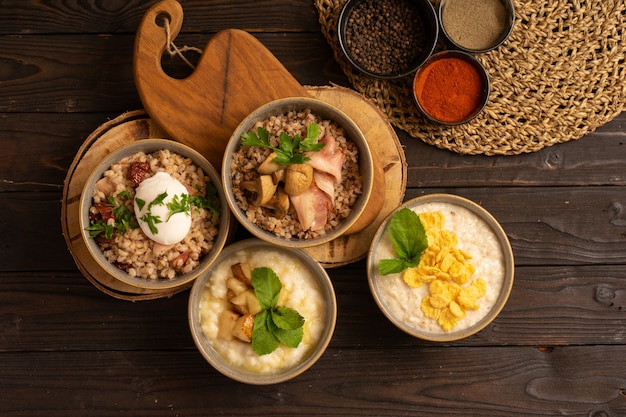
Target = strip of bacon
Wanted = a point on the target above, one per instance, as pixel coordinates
(329, 159)
(312, 208)
(325, 182)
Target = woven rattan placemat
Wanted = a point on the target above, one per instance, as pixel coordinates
(560, 75)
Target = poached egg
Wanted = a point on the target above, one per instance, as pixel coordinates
(168, 231)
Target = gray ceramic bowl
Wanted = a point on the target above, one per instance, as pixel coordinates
(210, 286)
(428, 36)
(149, 146)
(455, 18)
(321, 109)
(479, 234)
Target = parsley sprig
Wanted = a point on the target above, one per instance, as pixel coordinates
(291, 149)
(211, 202)
(150, 219)
(124, 219)
(274, 324)
(409, 240)
(178, 204)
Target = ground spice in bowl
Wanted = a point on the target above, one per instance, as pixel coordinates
(452, 87)
(476, 25)
(387, 39)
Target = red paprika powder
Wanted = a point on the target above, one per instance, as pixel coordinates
(449, 89)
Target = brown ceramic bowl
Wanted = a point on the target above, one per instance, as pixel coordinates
(148, 146)
(326, 112)
(480, 235)
(306, 288)
(422, 37)
(431, 86)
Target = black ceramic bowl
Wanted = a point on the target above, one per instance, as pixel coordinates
(393, 44)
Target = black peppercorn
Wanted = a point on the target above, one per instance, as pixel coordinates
(385, 37)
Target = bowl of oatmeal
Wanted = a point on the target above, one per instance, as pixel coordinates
(297, 172)
(262, 314)
(440, 267)
(153, 214)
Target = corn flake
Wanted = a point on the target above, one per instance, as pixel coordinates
(413, 278)
(448, 272)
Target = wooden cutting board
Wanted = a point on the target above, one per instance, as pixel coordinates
(235, 75)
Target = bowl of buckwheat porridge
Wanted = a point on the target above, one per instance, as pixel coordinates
(297, 172)
(262, 314)
(153, 214)
(440, 267)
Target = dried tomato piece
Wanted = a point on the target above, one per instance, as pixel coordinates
(103, 241)
(105, 210)
(122, 266)
(180, 260)
(137, 172)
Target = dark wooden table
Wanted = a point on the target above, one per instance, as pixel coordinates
(67, 349)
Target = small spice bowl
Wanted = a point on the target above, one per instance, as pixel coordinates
(463, 279)
(476, 26)
(387, 39)
(451, 88)
(306, 288)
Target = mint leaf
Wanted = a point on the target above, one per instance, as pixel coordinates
(409, 239)
(393, 266)
(290, 338)
(266, 287)
(263, 340)
(274, 324)
(287, 318)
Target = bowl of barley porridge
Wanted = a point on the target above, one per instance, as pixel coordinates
(440, 267)
(297, 172)
(153, 214)
(262, 314)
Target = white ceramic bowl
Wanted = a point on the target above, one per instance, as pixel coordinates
(480, 235)
(321, 109)
(148, 146)
(206, 302)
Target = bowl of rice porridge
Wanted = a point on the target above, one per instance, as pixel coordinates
(262, 314)
(153, 214)
(440, 267)
(297, 172)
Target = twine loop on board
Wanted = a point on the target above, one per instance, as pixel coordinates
(173, 50)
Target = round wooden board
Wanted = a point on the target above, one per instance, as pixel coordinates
(128, 127)
(137, 125)
(384, 143)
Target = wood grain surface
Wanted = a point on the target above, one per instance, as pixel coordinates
(66, 349)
